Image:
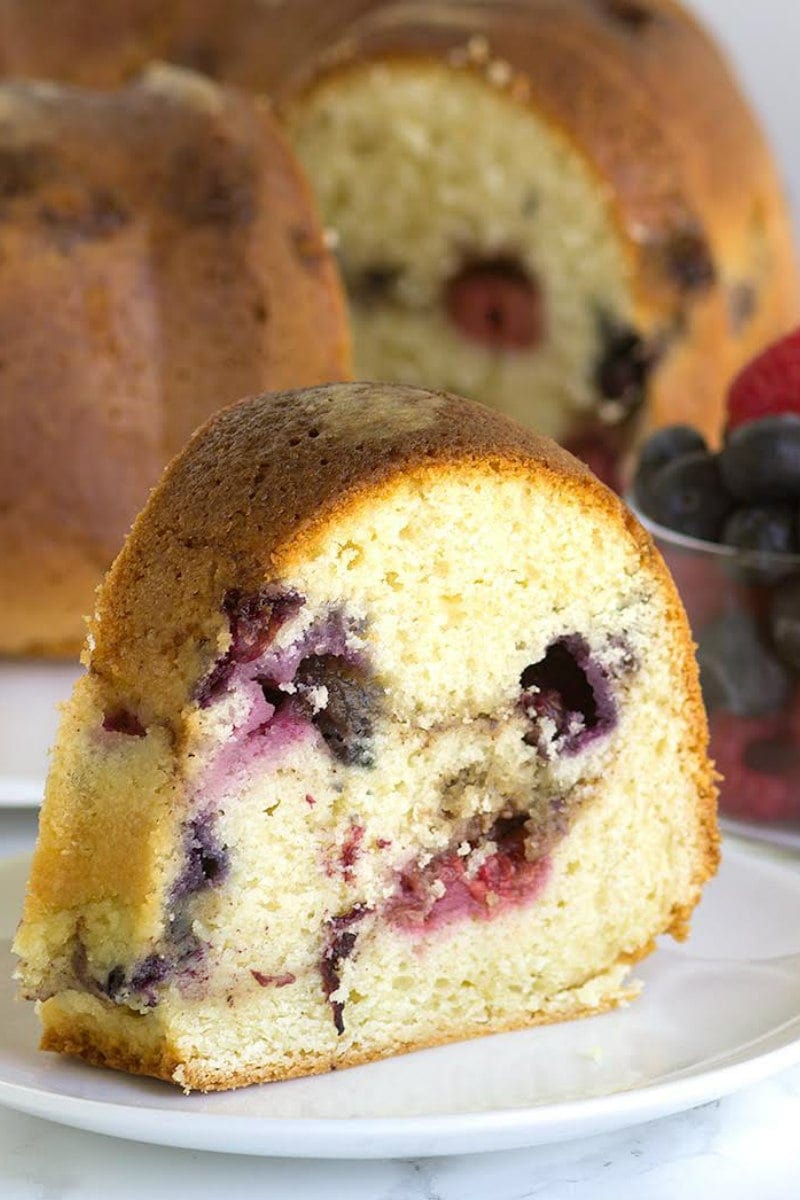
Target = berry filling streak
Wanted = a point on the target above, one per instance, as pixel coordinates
(321, 682)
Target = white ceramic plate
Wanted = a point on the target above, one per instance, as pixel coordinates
(717, 1014)
(779, 833)
(29, 694)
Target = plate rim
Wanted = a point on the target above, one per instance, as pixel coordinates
(424, 1134)
(397, 1136)
(21, 791)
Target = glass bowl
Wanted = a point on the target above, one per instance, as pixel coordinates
(744, 610)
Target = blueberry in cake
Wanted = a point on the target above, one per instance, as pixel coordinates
(565, 210)
(391, 735)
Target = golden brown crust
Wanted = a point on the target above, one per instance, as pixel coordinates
(246, 42)
(84, 1037)
(246, 498)
(646, 98)
(639, 89)
(143, 287)
(696, 749)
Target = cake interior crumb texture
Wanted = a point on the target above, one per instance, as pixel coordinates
(440, 772)
(420, 168)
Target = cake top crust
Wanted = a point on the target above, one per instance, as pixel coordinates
(254, 488)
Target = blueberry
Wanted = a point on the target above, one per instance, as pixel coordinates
(738, 672)
(760, 461)
(687, 258)
(767, 530)
(115, 981)
(346, 719)
(688, 496)
(666, 444)
(784, 622)
(622, 370)
(255, 618)
(206, 860)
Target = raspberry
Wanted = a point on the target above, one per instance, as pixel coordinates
(768, 385)
(600, 457)
(760, 763)
(496, 304)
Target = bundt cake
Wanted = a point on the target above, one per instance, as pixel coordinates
(161, 257)
(391, 735)
(251, 43)
(563, 208)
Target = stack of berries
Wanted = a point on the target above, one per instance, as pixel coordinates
(737, 566)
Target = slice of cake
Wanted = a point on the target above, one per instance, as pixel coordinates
(563, 209)
(391, 735)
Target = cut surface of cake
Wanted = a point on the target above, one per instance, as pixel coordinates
(562, 208)
(161, 257)
(391, 735)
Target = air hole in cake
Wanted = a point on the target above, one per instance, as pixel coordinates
(567, 698)
(479, 878)
(496, 303)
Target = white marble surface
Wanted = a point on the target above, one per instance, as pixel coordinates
(739, 1149)
(743, 1147)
